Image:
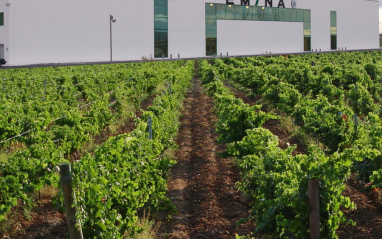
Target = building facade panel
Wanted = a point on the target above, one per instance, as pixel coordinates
(241, 37)
(358, 24)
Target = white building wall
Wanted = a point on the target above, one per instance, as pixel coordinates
(357, 23)
(4, 36)
(187, 27)
(57, 31)
(240, 37)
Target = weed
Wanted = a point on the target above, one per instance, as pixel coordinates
(148, 229)
(295, 132)
(3, 157)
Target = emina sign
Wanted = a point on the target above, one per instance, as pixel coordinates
(268, 3)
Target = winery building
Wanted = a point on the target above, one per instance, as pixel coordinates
(60, 31)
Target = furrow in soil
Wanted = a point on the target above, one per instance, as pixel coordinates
(202, 185)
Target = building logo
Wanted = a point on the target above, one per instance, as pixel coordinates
(268, 3)
(242, 2)
(294, 3)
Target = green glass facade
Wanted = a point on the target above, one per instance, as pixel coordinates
(1, 19)
(216, 12)
(333, 30)
(161, 28)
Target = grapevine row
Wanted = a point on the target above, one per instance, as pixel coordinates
(273, 178)
(58, 126)
(128, 172)
(335, 98)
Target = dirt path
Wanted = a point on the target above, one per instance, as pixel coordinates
(202, 185)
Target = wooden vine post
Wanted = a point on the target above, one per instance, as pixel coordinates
(70, 211)
(314, 202)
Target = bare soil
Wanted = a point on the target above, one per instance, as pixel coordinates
(202, 185)
(367, 215)
(45, 222)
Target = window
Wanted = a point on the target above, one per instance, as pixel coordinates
(1, 19)
(333, 30)
(216, 11)
(160, 28)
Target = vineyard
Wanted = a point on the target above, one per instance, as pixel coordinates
(47, 121)
(334, 99)
(250, 135)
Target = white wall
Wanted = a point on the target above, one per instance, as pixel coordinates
(357, 23)
(186, 28)
(4, 36)
(55, 31)
(79, 31)
(253, 37)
